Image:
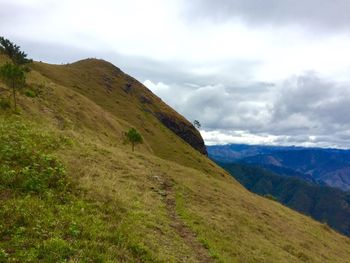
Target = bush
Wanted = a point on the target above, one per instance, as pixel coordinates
(30, 93)
(5, 104)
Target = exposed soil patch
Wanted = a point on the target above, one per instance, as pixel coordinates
(184, 231)
(5, 194)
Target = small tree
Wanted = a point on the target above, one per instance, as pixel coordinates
(17, 56)
(14, 77)
(197, 124)
(133, 137)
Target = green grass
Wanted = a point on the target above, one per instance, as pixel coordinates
(26, 165)
(72, 191)
(43, 217)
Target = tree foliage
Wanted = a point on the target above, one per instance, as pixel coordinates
(13, 74)
(14, 77)
(197, 124)
(17, 56)
(133, 137)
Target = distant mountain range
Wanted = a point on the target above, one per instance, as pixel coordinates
(317, 165)
(325, 204)
(312, 181)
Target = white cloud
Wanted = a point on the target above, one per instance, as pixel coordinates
(156, 29)
(158, 88)
(218, 137)
(221, 63)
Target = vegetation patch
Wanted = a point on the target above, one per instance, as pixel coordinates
(26, 165)
(42, 216)
(30, 93)
(5, 104)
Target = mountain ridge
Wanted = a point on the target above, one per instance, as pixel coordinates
(148, 102)
(324, 166)
(120, 205)
(326, 204)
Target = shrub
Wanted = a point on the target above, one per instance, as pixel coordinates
(30, 93)
(5, 104)
(133, 137)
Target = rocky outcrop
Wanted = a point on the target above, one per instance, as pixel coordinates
(185, 131)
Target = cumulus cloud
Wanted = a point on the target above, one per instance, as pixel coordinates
(305, 110)
(224, 137)
(219, 106)
(317, 105)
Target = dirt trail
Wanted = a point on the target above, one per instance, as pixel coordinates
(190, 238)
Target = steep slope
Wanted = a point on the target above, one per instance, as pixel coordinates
(325, 204)
(166, 202)
(119, 93)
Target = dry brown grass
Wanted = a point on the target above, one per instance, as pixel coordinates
(233, 224)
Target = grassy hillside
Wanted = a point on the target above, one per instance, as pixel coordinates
(123, 96)
(71, 190)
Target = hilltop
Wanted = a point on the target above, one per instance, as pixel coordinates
(81, 194)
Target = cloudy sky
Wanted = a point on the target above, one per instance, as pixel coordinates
(251, 71)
